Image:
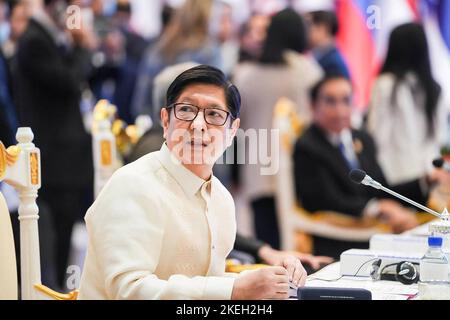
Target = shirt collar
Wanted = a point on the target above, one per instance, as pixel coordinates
(188, 181)
(345, 136)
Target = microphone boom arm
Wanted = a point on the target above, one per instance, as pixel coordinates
(418, 205)
(359, 176)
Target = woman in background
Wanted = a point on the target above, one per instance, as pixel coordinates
(405, 118)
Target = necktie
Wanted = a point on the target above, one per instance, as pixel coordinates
(352, 162)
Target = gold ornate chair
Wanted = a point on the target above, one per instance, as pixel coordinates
(292, 217)
(112, 141)
(20, 168)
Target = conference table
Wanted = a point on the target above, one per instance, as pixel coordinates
(330, 276)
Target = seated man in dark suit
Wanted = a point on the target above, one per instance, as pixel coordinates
(325, 154)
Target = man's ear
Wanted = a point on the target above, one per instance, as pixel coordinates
(233, 131)
(165, 118)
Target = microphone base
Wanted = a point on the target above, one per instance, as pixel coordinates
(332, 293)
(358, 262)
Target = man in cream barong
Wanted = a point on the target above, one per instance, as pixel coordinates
(163, 225)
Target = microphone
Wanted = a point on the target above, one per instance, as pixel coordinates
(440, 163)
(359, 176)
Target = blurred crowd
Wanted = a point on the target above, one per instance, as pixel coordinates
(56, 63)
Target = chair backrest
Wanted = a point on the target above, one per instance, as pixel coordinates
(105, 155)
(112, 141)
(8, 271)
(20, 167)
(290, 214)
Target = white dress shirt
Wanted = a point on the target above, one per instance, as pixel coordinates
(158, 231)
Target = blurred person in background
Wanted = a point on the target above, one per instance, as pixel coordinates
(8, 128)
(252, 36)
(53, 63)
(406, 118)
(4, 20)
(18, 18)
(109, 53)
(186, 38)
(322, 29)
(323, 158)
(135, 46)
(227, 35)
(8, 113)
(281, 71)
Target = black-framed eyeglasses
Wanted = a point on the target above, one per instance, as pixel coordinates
(188, 112)
(333, 101)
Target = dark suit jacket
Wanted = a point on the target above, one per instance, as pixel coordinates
(248, 245)
(321, 174)
(8, 112)
(48, 88)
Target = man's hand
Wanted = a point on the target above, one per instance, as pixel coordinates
(439, 176)
(265, 283)
(289, 260)
(315, 262)
(398, 217)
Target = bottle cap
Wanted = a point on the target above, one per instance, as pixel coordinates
(435, 241)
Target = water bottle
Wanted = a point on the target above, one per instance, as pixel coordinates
(434, 264)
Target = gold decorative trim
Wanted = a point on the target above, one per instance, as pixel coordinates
(105, 152)
(238, 268)
(132, 133)
(123, 140)
(341, 220)
(12, 154)
(118, 126)
(103, 110)
(3, 160)
(34, 168)
(292, 125)
(358, 146)
(56, 295)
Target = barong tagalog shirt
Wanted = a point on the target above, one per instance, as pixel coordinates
(158, 231)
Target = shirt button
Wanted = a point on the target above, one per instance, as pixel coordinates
(213, 247)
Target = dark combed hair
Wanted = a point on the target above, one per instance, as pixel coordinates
(124, 7)
(49, 2)
(327, 18)
(204, 74)
(286, 31)
(408, 52)
(315, 90)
